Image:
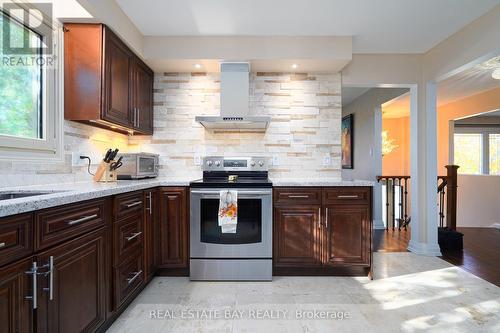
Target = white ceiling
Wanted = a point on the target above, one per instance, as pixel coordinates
(388, 26)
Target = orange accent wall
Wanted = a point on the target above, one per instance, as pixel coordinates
(398, 161)
(468, 106)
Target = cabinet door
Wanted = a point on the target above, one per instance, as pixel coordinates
(15, 310)
(297, 236)
(78, 301)
(143, 97)
(173, 227)
(347, 233)
(150, 232)
(117, 78)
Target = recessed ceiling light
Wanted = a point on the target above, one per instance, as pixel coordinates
(197, 66)
(496, 74)
(294, 66)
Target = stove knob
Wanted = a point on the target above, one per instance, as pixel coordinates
(209, 163)
(261, 163)
(217, 163)
(252, 163)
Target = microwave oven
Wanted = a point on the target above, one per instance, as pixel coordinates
(138, 166)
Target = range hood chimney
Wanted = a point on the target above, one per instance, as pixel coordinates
(234, 100)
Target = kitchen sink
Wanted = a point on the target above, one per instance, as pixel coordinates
(20, 194)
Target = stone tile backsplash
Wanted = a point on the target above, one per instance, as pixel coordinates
(305, 111)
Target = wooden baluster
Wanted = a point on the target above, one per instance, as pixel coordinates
(406, 201)
(451, 202)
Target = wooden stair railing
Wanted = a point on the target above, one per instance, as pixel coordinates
(447, 194)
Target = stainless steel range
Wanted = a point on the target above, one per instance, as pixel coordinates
(246, 254)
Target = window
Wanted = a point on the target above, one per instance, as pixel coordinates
(30, 89)
(468, 152)
(477, 150)
(21, 112)
(494, 154)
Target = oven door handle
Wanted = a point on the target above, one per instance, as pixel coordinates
(243, 193)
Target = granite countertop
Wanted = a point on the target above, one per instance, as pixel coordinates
(61, 194)
(319, 182)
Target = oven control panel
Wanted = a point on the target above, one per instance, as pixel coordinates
(220, 163)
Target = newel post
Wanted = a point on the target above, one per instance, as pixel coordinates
(451, 202)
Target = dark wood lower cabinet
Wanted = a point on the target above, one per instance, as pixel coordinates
(331, 237)
(347, 234)
(78, 301)
(16, 314)
(150, 233)
(297, 236)
(173, 231)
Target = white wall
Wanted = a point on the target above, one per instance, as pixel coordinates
(478, 200)
(367, 141)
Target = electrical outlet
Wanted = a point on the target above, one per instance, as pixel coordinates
(197, 160)
(76, 160)
(276, 160)
(327, 160)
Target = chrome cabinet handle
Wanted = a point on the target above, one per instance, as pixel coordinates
(319, 217)
(2, 244)
(50, 273)
(150, 208)
(83, 219)
(136, 275)
(298, 196)
(239, 192)
(33, 271)
(133, 204)
(326, 218)
(138, 117)
(133, 236)
(347, 196)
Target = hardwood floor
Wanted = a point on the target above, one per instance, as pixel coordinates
(480, 256)
(481, 253)
(391, 240)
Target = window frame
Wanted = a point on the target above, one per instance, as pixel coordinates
(49, 148)
(485, 132)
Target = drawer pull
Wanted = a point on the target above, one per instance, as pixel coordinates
(2, 244)
(133, 204)
(298, 196)
(347, 196)
(133, 236)
(136, 275)
(83, 219)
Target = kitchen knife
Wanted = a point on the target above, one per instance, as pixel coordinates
(117, 164)
(108, 154)
(113, 155)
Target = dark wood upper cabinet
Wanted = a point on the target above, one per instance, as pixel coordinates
(143, 96)
(78, 301)
(297, 236)
(347, 234)
(106, 84)
(118, 77)
(173, 229)
(16, 314)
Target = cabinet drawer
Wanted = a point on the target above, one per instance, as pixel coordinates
(128, 236)
(297, 195)
(16, 237)
(57, 224)
(128, 277)
(129, 203)
(355, 195)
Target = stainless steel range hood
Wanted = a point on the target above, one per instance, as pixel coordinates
(234, 100)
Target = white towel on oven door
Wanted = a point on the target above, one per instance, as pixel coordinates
(228, 211)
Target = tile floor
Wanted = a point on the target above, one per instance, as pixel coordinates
(409, 293)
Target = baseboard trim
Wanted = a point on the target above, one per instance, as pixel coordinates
(378, 224)
(496, 225)
(424, 249)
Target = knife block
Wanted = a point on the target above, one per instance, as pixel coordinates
(103, 174)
